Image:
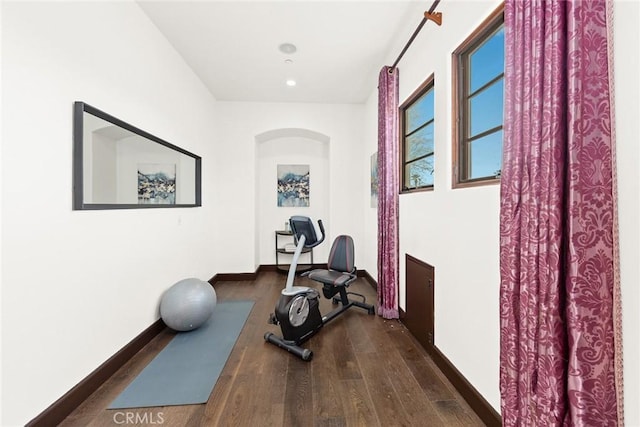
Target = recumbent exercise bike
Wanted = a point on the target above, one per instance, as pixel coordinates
(297, 310)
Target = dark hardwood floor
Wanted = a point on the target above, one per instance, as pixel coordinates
(366, 371)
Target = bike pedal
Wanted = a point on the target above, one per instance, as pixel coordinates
(273, 319)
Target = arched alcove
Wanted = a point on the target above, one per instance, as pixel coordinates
(292, 132)
(288, 146)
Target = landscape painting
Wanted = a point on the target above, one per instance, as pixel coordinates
(156, 184)
(293, 185)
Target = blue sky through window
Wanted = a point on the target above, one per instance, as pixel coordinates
(486, 153)
(419, 112)
(486, 108)
(487, 61)
(419, 141)
(419, 173)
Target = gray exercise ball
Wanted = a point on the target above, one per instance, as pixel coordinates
(188, 304)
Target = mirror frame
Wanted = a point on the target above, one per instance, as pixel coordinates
(79, 108)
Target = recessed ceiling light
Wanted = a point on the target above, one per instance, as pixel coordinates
(291, 82)
(287, 48)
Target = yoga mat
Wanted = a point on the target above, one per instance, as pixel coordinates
(187, 369)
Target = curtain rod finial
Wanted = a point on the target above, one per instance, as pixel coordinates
(435, 17)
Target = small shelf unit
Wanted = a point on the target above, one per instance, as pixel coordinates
(285, 236)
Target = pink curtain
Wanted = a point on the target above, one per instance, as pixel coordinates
(559, 293)
(388, 187)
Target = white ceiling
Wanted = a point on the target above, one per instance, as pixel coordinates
(341, 45)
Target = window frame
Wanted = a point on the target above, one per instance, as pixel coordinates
(460, 107)
(426, 86)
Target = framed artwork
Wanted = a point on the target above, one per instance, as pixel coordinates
(293, 186)
(374, 180)
(156, 184)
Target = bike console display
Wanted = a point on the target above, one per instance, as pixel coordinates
(303, 226)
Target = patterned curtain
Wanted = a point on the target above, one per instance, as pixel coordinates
(388, 186)
(559, 293)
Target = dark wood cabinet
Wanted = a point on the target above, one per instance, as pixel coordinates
(419, 316)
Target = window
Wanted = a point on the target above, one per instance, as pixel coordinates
(416, 128)
(478, 67)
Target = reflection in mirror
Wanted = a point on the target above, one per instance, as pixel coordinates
(116, 166)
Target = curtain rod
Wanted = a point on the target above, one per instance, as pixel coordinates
(429, 15)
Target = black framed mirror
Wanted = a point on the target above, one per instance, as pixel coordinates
(118, 166)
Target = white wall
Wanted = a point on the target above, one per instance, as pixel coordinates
(1, 210)
(79, 285)
(370, 215)
(248, 215)
(457, 231)
(100, 171)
